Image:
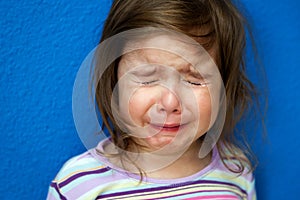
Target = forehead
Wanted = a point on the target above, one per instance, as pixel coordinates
(160, 58)
(181, 53)
(152, 56)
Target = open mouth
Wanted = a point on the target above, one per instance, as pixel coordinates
(167, 127)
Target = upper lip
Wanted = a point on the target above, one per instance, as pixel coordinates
(167, 125)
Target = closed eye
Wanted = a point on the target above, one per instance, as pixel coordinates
(196, 83)
(148, 82)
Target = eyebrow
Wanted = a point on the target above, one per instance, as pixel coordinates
(195, 74)
(189, 70)
(144, 71)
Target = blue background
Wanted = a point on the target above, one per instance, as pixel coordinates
(43, 43)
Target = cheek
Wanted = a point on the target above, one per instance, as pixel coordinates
(205, 109)
(139, 104)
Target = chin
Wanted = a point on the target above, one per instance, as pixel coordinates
(168, 145)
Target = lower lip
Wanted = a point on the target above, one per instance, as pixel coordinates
(167, 129)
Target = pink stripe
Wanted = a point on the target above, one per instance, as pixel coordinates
(222, 197)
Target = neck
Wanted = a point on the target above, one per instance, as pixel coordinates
(188, 164)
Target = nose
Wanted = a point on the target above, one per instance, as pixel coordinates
(169, 102)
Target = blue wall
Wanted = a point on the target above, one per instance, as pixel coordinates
(42, 46)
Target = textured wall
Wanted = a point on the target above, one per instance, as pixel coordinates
(43, 43)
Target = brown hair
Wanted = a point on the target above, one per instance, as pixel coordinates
(226, 28)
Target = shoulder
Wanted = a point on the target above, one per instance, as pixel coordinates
(79, 176)
(85, 162)
(225, 172)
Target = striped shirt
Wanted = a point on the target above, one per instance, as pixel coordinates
(90, 176)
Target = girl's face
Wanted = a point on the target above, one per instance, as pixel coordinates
(163, 100)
